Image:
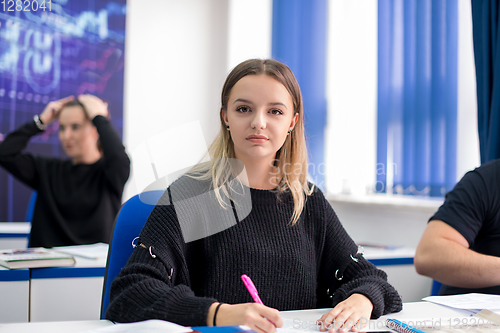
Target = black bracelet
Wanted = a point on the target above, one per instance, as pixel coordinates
(215, 313)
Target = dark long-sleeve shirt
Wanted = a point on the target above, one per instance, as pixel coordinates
(308, 265)
(76, 204)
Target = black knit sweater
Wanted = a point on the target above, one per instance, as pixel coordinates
(292, 267)
(76, 204)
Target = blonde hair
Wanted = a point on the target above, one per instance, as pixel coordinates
(293, 153)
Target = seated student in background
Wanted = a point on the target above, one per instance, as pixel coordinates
(460, 246)
(189, 258)
(78, 198)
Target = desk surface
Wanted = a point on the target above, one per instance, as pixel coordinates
(83, 268)
(412, 310)
(389, 252)
(416, 310)
(15, 229)
(389, 256)
(54, 327)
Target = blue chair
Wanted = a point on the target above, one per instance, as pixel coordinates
(31, 207)
(29, 212)
(436, 285)
(128, 225)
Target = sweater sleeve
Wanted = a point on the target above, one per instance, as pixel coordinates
(344, 272)
(116, 161)
(158, 288)
(22, 166)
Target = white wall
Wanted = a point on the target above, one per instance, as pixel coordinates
(250, 27)
(178, 55)
(351, 135)
(175, 67)
(397, 222)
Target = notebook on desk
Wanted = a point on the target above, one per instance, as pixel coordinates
(34, 258)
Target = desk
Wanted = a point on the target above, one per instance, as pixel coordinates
(412, 311)
(67, 293)
(415, 310)
(54, 290)
(53, 293)
(55, 327)
(14, 235)
(14, 288)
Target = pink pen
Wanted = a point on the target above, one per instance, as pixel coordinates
(251, 288)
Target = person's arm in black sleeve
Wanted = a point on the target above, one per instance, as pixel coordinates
(444, 251)
(117, 163)
(351, 279)
(22, 166)
(158, 288)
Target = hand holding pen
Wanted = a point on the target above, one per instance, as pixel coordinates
(252, 315)
(251, 288)
(253, 292)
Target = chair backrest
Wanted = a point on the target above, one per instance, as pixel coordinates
(128, 225)
(30, 210)
(436, 285)
(31, 207)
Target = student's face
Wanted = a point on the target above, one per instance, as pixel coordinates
(77, 134)
(259, 114)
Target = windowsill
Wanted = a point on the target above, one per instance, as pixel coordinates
(399, 201)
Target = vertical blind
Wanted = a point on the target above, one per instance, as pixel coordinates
(417, 96)
(299, 40)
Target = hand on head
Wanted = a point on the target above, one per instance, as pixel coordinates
(94, 106)
(51, 111)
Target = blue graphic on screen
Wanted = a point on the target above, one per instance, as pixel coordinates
(73, 47)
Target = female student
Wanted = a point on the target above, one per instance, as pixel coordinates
(189, 258)
(77, 199)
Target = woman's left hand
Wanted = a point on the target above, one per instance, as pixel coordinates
(94, 106)
(351, 314)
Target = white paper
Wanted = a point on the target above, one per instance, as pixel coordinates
(91, 251)
(293, 326)
(471, 301)
(296, 326)
(147, 326)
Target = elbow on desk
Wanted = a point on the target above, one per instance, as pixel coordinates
(420, 265)
(423, 263)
